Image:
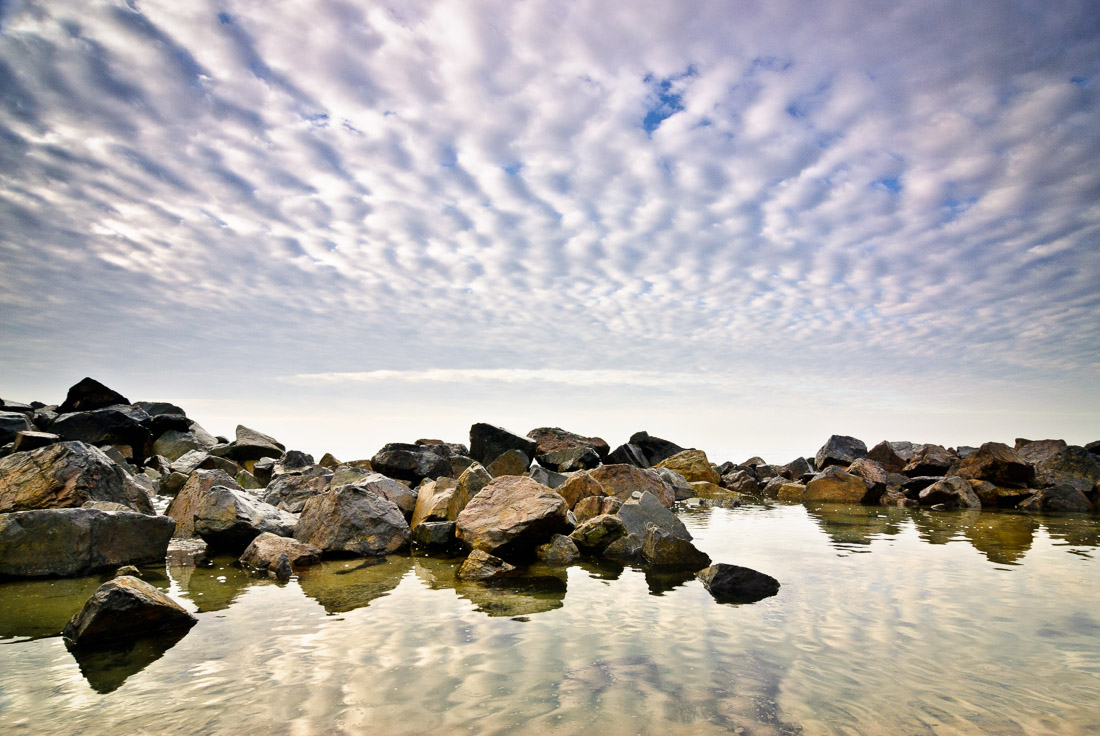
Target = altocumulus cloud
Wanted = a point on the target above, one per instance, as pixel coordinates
(494, 189)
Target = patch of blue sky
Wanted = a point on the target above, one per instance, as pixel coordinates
(449, 158)
(666, 99)
(891, 184)
(953, 207)
(513, 169)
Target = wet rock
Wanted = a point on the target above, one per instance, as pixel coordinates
(88, 395)
(229, 519)
(125, 608)
(511, 462)
(790, 492)
(553, 439)
(174, 443)
(488, 442)
(627, 548)
(1073, 466)
(413, 463)
(835, 485)
(893, 456)
(839, 450)
(693, 465)
(594, 535)
(1057, 498)
(578, 486)
(645, 510)
(930, 460)
(560, 550)
(736, 584)
(997, 463)
(481, 565)
(434, 534)
(993, 496)
(113, 425)
(628, 455)
(654, 449)
(622, 481)
(353, 520)
(1035, 452)
(951, 492)
(512, 510)
(264, 552)
(593, 506)
(12, 424)
(66, 474)
(663, 549)
(31, 440)
(66, 542)
(548, 478)
(187, 500)
(570, 459)
(251, 445)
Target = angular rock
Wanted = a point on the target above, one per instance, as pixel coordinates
(30, 440)
(481, 565)
(839, 450)
(662, 549)
(125, 608)
(433, 501)
(893, 456)
(354, 520)
(693, 465)
(487, 443)
(578, 486)
(705, 489)
(293, 461)
(560, 550)
(161, 423)
(627, 548)
(290, 492)
(993, 496)
(639, 513)
(171, 484)
(772, 486)
(1072, 466)
(870, 470)
(251, 445)
(445, 449)
(63, 475)
(88, 395)
(951, 492)
(187, 500)
(229, 519)
(553, 439)
(512, 510)
(1036, 452)
(329, 461)
(470, 482)
(512, 462)
(159, 408)
(628, 455)
(247, 481)
(740, 481)
(264, 468)
(413, 463)
(548, 478)
(113, 425)
(1057, 498)
(735, 584)
(12, 424)
(459, 463)
(1093, 447)
(622, 481)
(593, 506)
(434, 534)
(997, 463)
(835, 485)
(654, 449)
(789, 492)
(174, 443)
(66, 542)
(930, 460)
(264, 551)
(593, 535)
(570, 459)
(681, 488)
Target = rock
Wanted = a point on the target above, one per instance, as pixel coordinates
(251, 445)
(434, 534)
(929, 460)
(329, 461)
(487, 443)
(992, 496)
(445, 449)
(570, 459)
(1057, 498)
(663, 549)
(789, 492)
(560, 550)
(839, 450)
(264, 469)
(1093, 447)
(187, 500)
(593, 506)
(459, 463)
(834, 485)
(693, 465)
(512, 462)
(228, 519)
(66, 542)
(88, 395)
(470, 482)
(548, 478)
(290, 492)
(870, 470)
(161, 423)
(639, 513)
(43, 418)
(753, 461)
(735, 584)
(174, 444)
(30, 440)
(130, 570)
(413, 463)
(654, 449)
(951, 492)
(740, 481)
(247, 481)
(593, 535)
(114, 425)
(125, 608)
(1072, 466)
(627, 548)
(771, 488)
(681, 489)
(63, 475)
(433, 501)
(578, 486)
(553, 439)
(264, 551)
(705, 489)
(12, 424)
(159, 408)
(1036, 452)
(621, 481)
(997, 463)
(200, 460)
(354, 520)
(171, 484)
(481, 565)
(293, 461)
(514, 511)
(893, 456)
(628, 455)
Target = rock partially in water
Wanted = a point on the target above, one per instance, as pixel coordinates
(512, 510)
(434, 535)
(228, 519)
(433, 501)
(265, 551)
(481, 565)
(835, 485)
(1060, 497)
(594, 535)
(1071, 466)
(662, 549)
(187, 500)
(125, 608)
(736, 584)
(997, 463)
(353, 520)
(560, 550)
(952, 492)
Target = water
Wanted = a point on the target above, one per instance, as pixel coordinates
(888, 621)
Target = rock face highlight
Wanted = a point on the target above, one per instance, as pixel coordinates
(622, 481)
(65, 475)
(693, 465)
(353, 520)
(512, 509)
(125, 608)
(228, 520)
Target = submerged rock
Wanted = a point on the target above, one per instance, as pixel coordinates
(125, 608)
(736, 584)
(663, 549)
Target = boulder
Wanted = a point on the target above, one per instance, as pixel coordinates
(470, 482)
(159, 408)
(487, 443)
(578, 486)
(997, 463)
(795, 469)
(993, 496)
(622, 481)
(663, 549)
(481, 565)
(187, 500)
(693, 465)
(560, 550)
(434, 534)
(930, 460)
(628, 455)
(89, 394)
(513, 511)
(459, 463)
(264, 468)
(264, 551)
(1072, 466)
(31, 440)
(871, 471)
(401, 495)
(1093, 447)
(593, 506)
(645, 510)
(654, 449)
(736, 584)
(353, 520)
(328, 460)
(433, 501)
(63, 475)
(835, 485)
(839, 450)
(1035, 452)
(12, 423)
(593, 535)
(251, 445)
(445, 449)
(247, 481)
(739, 481)
(893, 456)
(569, 459)
(511, 462)
(125, 608)
(790, 492)
(175, 443)
(771, 488)
(294, 461)
(161, 423)
(549, 478)
(554, 439)
(66, 542)
(952, 492)
(1057, 498)
(681, 488)
(228, 519)
(113, 425)
(627, 548)
(708, 490)
(413, 463)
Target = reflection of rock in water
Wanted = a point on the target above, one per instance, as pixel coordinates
(601, 568)
(107, 667)
(662, 581)
(1079, 530)
(852, 527)
(1003, 537)
(214, 584)
(521, 596)
(344, 585)
(941, 527)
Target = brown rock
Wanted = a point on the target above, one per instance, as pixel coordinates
(790, 492)
(126, 608)
(512, 510)
(593, 506)
(481, 565)
(838, 486)
(512, 462)
(264, 552)
(353, 520)
(997, 463)
(433, 501)
(693, 465)
(593, 535)
(953, 492)
(186, 502)
(578, 486)
(662, 549)
(553, 439)
(621, 481)
(560, 550)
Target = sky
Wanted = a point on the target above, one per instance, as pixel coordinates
(742, 226)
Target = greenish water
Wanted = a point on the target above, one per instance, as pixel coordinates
(889, 621)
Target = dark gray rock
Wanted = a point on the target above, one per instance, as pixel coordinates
(434, 534)
(401, 495)
(951, 492)
(353, 520)
(594, 535)
(735, 584)
(654, 449)
(159, 408)
(930, 460)
(741, 482)
(290, 492)
(1071, 466)
(488, 442)
(160, 423)
(570, 459)
(125, 608)
(12, 423)
(1057, 498)
(228, 519)
(839, 450)
(481, 565)
(88, 395)
(628, 455)
(548, 478)
(662, 549)
(174, 444)
(412, 463)
(1093, 447)
(554, 439)
(293, 461)
(251, 445)
(560, 550)
(445, 449)
(681, 489)
(1035, 452)
(113, 425)
(30, 440)
(999, 464)
(639, 513)
(796, 468)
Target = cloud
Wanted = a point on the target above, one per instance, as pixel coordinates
(582, 378)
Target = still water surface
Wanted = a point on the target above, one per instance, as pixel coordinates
(888, 621)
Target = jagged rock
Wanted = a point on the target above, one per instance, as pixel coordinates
(329, 461)
(553, 439)
(66, 474)
(174, 443)
(12, 424)
(735, 584)
(739, 481)
(512, 462)
(125, 608)
(1093, 447)
(460, 463)
(839, 450)
(593, 535)
(470, 482)
(1057, 498)
(264, 551)
(250, 446)
(654, 449)
(66, 542)
(512, 510)
(290, 492)
(753, 461)
(638, 513)
(727, 467)
(263, 469)
(445, 449)
(893, 456)
(434, 534)
(993, 496)
(951, 492)
(113, 425)
(662, 549)
(247, 481)
(548, 478)
(772, 486)
(228, 519)
(870, 470)
(997, 463)
(354, 520)
(171, 484)
(159, 408)
(487, 443)
(187, 500)
(30, 440)
(593, 506)
(161, 423)
(681, 488)
(433, 501)
(294, 461)
(621, 481)
(693, 465)
(1072, 466)
(930, 460)
(481, 565)
(627, 548)
(835, 485)
(790, 492)
(560, 550)
(578, 486)
(708, 490)
(413, 463)
(1036, 452)
(570, 459)
(201, 460)
(43, 418)
(628, 455)
(88, 395)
